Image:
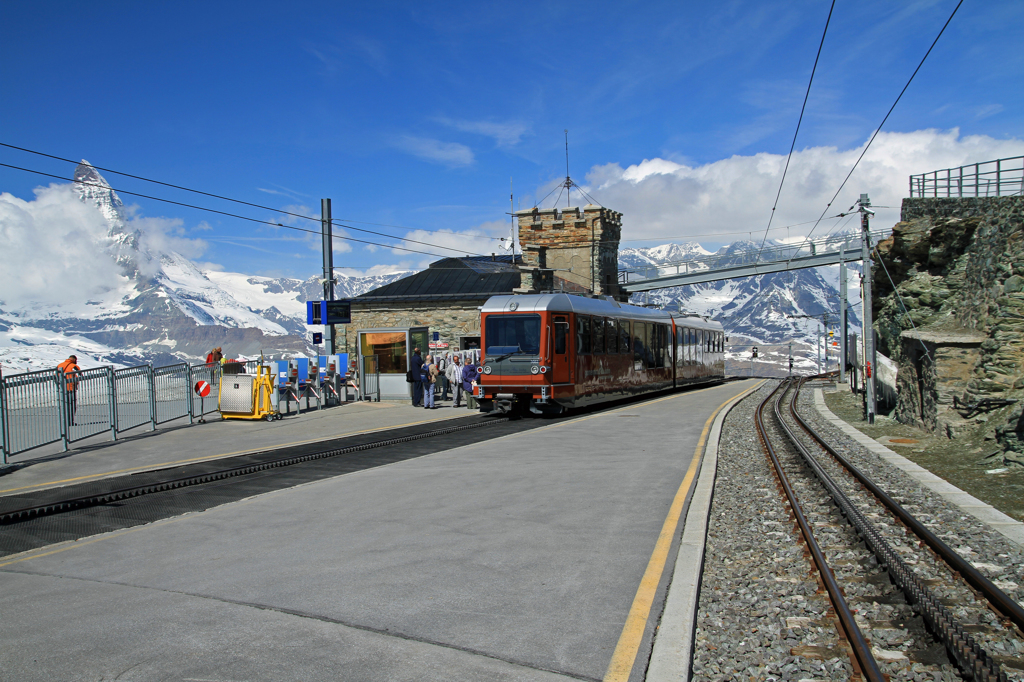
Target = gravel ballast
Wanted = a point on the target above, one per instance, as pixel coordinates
(761, 613)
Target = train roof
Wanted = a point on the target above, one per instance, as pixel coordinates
(557, 302)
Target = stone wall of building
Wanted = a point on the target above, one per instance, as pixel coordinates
(958, 265)
(452, 319)
(581, 246)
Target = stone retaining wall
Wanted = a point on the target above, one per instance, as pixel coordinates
(958, 265)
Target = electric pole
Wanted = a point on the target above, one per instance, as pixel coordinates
(842, 315)
(328, 280)
(869, 335)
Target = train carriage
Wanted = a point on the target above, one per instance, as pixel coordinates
(550, 352)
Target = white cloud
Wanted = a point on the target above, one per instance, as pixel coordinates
(377, 270)
(473, 241)
(506, 134)
(664, 199)
(447, 153)
(54, 250)
(160, 235)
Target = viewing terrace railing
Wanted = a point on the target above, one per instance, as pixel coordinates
(741, 256)
(45, 407)
(999, 178)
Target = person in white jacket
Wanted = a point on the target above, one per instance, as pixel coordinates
(454, 375)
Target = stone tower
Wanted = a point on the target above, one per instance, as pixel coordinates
(579, 247)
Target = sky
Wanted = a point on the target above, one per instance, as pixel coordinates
(419, 119)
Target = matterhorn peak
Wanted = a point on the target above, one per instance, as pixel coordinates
(93, 188)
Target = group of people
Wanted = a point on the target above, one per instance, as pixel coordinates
(431, 374)
(215, 356)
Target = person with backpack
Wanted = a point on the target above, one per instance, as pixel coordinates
(72, 374)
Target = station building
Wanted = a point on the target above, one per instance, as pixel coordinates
(572, 250)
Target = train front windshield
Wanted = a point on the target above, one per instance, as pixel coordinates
(512, 334)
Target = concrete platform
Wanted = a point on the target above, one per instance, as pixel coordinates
(539, 556)
(179, 443)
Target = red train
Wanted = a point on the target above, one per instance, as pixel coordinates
(549, 352)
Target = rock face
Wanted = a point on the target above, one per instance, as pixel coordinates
(956, 327)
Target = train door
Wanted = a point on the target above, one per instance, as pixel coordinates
(560, 365)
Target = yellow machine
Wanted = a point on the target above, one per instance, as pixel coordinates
(247, 396)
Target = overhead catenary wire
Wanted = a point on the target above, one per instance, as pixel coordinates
(796, 132)
(246, 218)
(886, 118)
(249, 203)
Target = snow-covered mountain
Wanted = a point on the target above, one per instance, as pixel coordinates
(767, 311)
(158, 306)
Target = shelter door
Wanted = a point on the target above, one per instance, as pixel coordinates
(560, 351)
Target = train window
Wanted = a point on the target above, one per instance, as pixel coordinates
(611, 336)
(638, 344)
(655, 355)
(561, 332)
(513, 334)
(623, 326)
(666, 347)
(598, 335)
(582, 334)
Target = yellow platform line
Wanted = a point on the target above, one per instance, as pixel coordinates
(633, 631)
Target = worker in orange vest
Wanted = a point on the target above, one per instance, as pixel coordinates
(72, 373)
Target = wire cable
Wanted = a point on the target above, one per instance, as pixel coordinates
(247, 203)
(796, 132)
(235, 215)
(879, 128)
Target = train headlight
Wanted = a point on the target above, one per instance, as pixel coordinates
(543, 369)
(487, 369)
(534, 369)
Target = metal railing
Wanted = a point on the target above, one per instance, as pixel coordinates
(370, 387)
(783, 252)
(1002, 177)
(45, 407)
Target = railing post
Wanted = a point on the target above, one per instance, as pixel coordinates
(188, 393)
(58, 377)
(977, 181)
(5, 439)
(112, 402)
(999, 176)
(152, 397)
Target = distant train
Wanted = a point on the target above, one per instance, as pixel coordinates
(549, 352)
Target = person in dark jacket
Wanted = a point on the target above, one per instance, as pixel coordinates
(469, 374)
(417, 377)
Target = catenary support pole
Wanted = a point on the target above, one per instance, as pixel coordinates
(328, 279)
(869, 337)
(842, 316)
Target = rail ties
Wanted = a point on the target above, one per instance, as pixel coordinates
(862, 659)
(974, 661)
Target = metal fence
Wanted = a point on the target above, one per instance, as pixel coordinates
(371, 378)
(1002, 177)
(45, 407)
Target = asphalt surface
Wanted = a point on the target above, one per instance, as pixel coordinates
(512, 559)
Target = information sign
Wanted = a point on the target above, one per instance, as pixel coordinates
(329, 312)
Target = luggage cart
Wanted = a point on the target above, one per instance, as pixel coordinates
(248, 396)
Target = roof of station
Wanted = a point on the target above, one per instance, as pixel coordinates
(453, 278)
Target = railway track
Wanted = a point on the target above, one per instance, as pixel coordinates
(898, 593)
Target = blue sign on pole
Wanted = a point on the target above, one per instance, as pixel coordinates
(329, 312)
(437, 336)
(318, 338)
